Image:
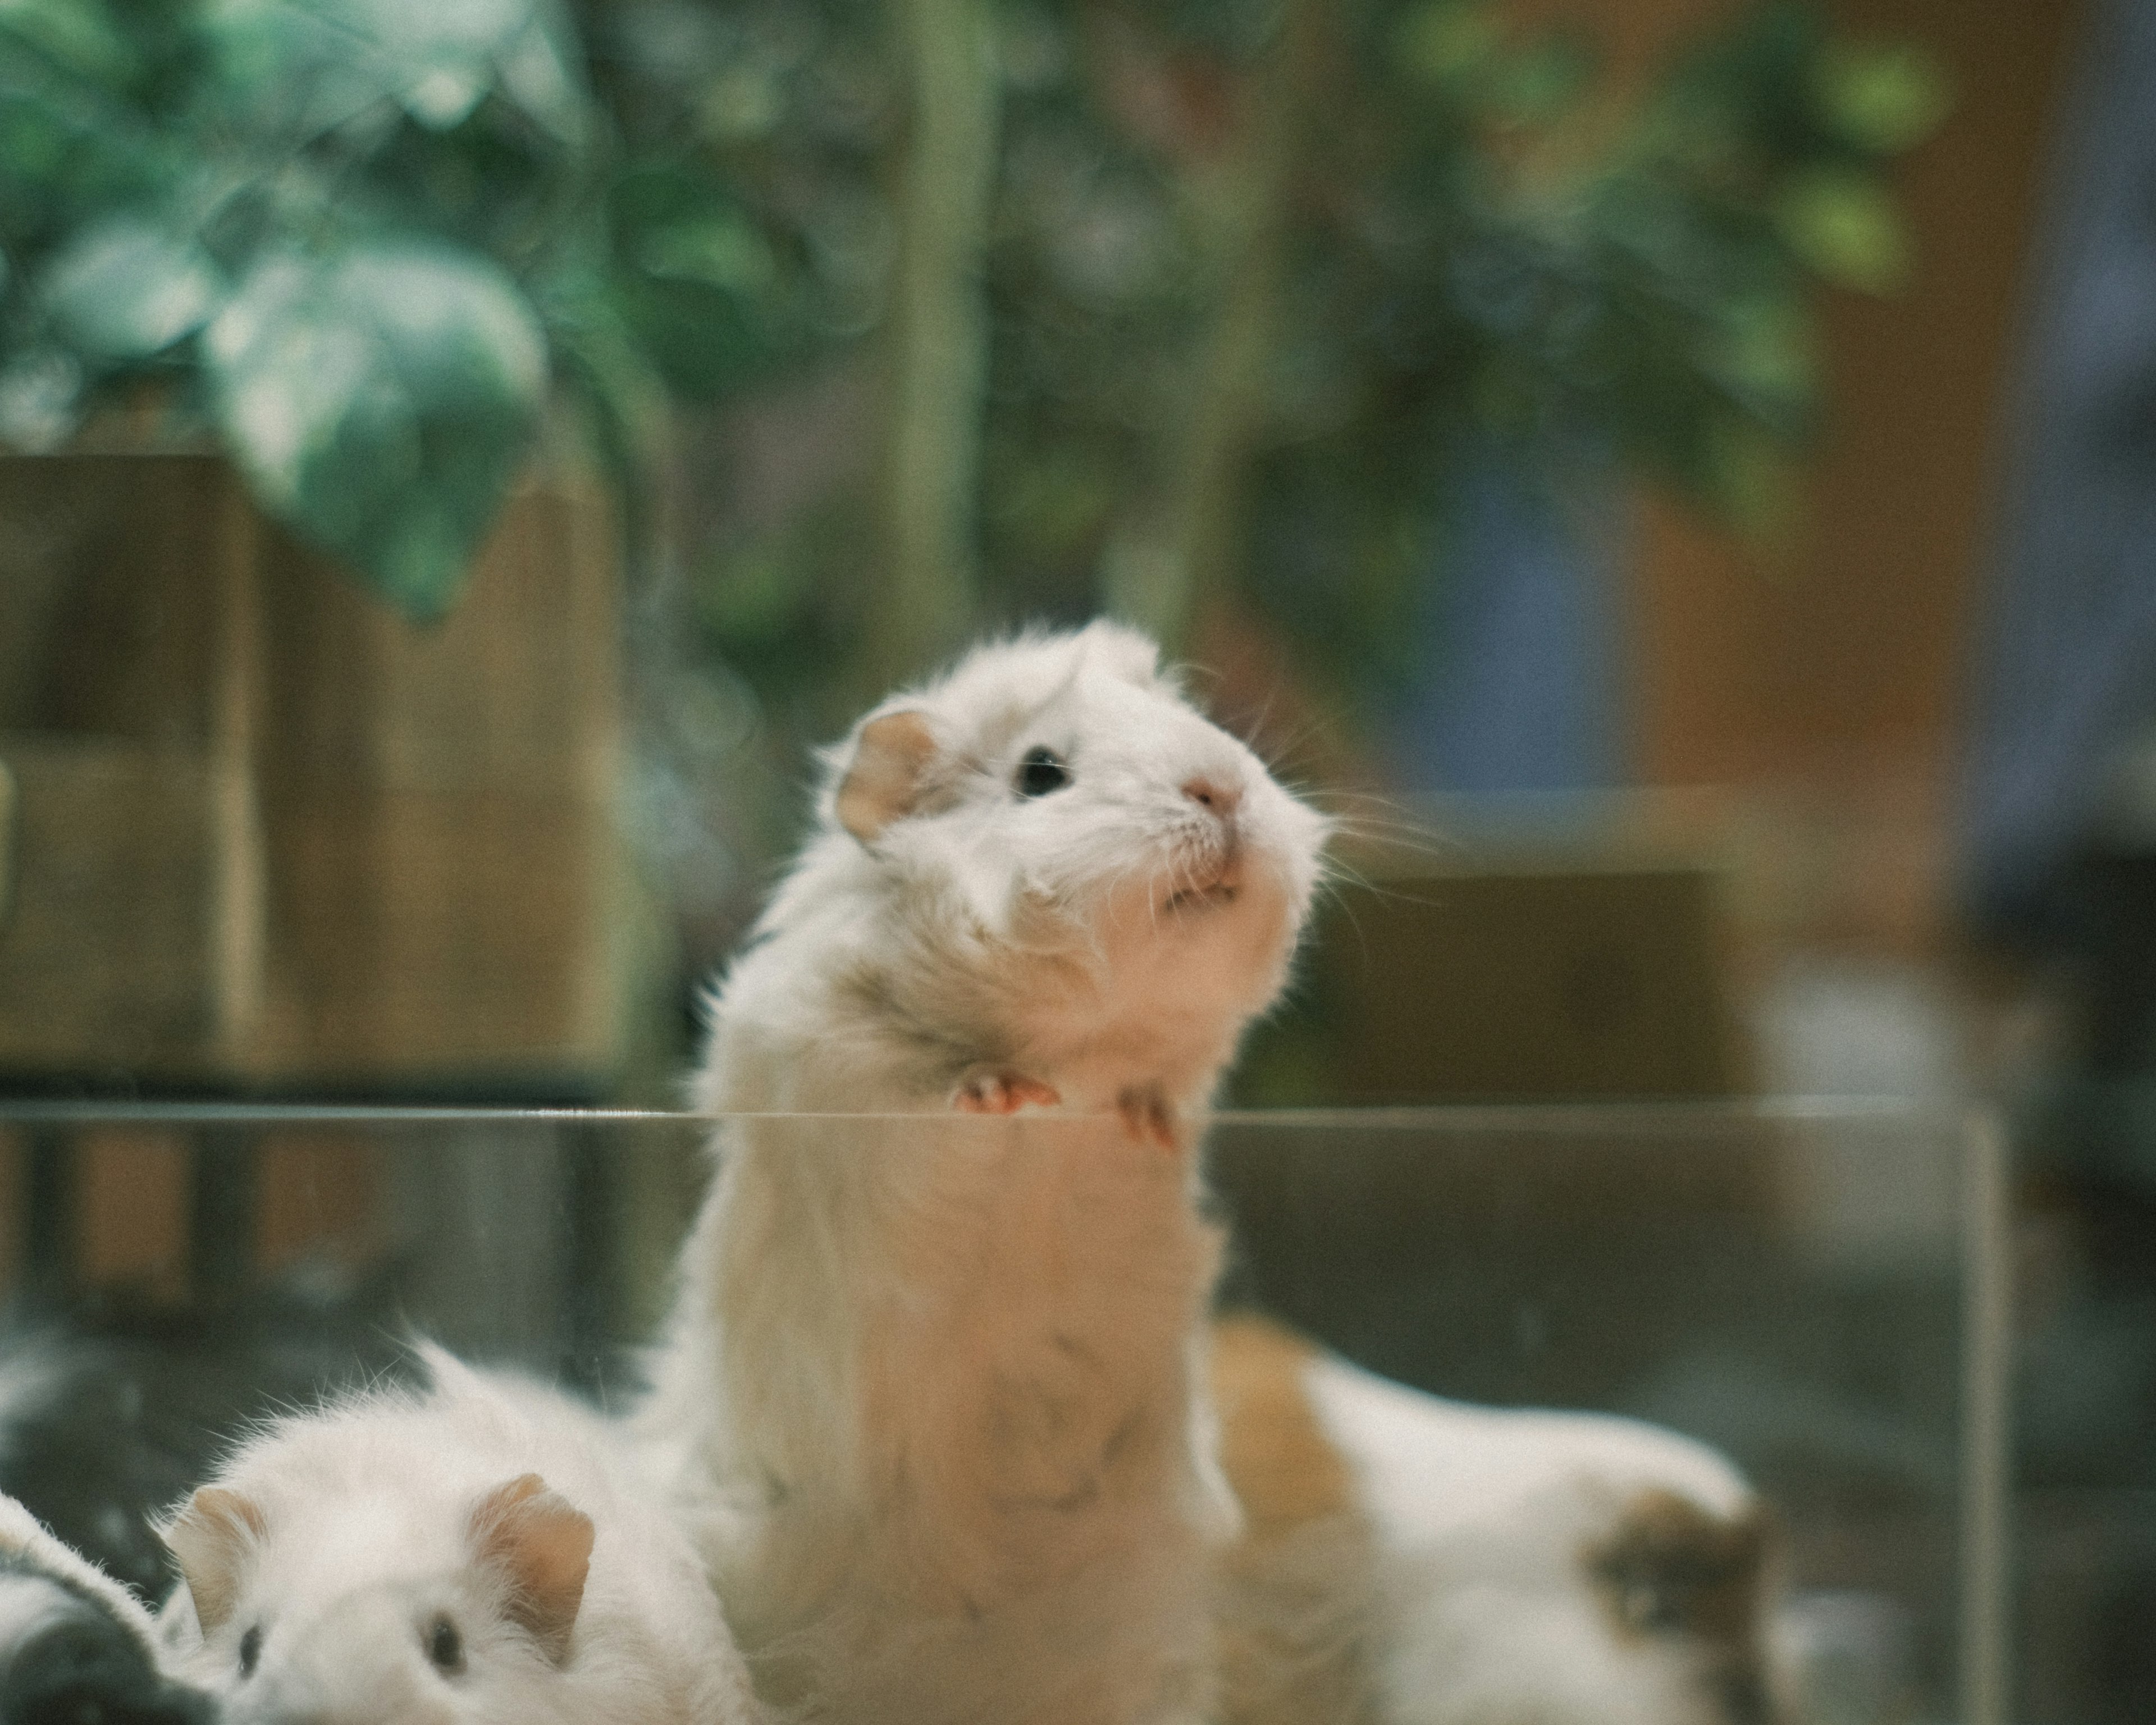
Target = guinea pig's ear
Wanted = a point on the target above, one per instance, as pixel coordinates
(542, 1544)
(888, 772)
(211, 1538)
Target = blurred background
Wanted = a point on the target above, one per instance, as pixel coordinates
(1673, 477)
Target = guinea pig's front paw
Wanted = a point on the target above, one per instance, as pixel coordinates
(996, 1090)
(1148, 1114)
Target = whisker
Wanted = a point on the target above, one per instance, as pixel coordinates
(1345, 905)
(1274, 755)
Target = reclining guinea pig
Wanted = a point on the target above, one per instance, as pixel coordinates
(477, 1553)
(1408, 1560)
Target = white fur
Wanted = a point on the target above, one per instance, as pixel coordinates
(1484, 1520)
(929, 1381)
(366, 1509)
(23, 1535)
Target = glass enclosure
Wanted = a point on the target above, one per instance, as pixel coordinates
(1818, 1292)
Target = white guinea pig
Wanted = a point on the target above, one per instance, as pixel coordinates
(1415, 1561)
(1044, 878)
(930, 1377)
(475, 1554)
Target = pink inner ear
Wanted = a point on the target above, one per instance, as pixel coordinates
(211, 1538)
(883, 780)
(542, 1544)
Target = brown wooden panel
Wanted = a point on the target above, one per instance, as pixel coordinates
(105, 949)
(1595, 984)
(319, 1197)
(132, 1210)
(105, 561)
(269, 831)
(1832, 668)
(428, 932)
(517, 687)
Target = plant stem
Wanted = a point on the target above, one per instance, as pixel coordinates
(938, 338)
(1166, 577)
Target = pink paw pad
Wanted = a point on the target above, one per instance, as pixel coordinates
(1146, 1114)
(999, 1093)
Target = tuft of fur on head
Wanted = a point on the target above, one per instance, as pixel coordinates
(25, 1544)
(480, 1552)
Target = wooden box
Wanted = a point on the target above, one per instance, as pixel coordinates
(267, 834)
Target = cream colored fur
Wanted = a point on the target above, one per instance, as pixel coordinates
(342, 1539)
(23, 1535)
(929, 1385)
(1536, 1568)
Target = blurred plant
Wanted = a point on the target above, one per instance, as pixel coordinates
(1453, 237)
(1176, 306)
(1264, 278)
(363, 243)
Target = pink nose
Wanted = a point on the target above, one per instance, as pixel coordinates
(1215, 794)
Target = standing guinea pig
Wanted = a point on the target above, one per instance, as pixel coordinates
(479, 1552)
(932, 1381)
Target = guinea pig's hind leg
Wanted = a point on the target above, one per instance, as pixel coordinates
(997, 1090)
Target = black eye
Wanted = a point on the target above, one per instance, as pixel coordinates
(250, 1651)
(446, 1646)
(1041, 771)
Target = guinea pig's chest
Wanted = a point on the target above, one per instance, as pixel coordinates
(1027, 1367)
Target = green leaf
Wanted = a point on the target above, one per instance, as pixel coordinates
(283, 66)
(125, 290)
(40, 398)
(73, 144)
(1540, 83)
(697, 282)
(381, 401)
(599, 359)
(720, 250)
(321, 62)
(1446, 42)
(447, 56)
(536, 69)
(1751, 479)
(1763, 349)
(745, 101)
(75, 37)
(1844, 225)
(1883, 99)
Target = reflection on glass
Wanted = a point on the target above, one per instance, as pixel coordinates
(1790, 1291)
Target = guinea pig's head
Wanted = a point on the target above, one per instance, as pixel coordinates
(1599, 1573)
(363, 1612)
(1060, 788)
